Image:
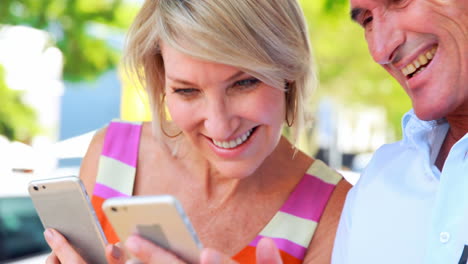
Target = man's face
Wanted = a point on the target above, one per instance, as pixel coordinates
(424, 45)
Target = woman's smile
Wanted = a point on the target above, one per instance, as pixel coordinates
(234, 142)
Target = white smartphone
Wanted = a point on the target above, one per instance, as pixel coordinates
(62, 204)
(159, 219)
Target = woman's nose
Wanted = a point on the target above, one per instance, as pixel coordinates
(221, 120)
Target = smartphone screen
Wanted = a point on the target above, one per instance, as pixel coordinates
(62, 204)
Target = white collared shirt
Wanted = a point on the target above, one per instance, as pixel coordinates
(403, 209)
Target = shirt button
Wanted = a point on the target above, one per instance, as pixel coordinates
(444, 237)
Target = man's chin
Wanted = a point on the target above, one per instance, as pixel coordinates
(428, 113)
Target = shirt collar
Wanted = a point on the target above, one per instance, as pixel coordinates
(426, 135)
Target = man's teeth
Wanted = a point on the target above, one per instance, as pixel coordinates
(422, 60)
(233, 143)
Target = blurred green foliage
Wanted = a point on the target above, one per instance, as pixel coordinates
(81, 29)
(347, 72)
(17, 120)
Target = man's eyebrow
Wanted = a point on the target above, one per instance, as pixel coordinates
(355, 12)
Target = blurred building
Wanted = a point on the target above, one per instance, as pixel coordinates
(347, 136)
(65, 110)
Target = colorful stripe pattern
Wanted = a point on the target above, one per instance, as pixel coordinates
(117, 168)
(291, 228)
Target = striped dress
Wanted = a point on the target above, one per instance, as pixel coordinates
(292, 227)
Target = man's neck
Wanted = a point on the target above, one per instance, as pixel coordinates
(458, 128)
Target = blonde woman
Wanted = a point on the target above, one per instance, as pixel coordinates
(231, 74)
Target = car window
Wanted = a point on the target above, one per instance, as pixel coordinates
(21, 231)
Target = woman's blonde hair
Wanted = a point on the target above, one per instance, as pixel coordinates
(265, 38)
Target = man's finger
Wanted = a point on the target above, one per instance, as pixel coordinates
(267, 252)
(61, 248)
(149, 253)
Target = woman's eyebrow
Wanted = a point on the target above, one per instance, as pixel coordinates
(185, 82)
(234, 76)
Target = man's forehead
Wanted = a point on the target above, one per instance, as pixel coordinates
(359, 6)
(365, 3)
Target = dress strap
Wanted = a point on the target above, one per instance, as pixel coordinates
(118, 161)
(117, 169)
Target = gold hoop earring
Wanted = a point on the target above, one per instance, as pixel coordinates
(289, 123)
(289, 102)
(161, 125)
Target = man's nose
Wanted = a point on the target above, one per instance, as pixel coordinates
(384, 39)
(220, 121)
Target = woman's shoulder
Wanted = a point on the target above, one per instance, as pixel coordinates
(89, 164)
(321, 246)
(108, 141)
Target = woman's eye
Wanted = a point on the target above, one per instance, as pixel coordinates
(186, 92)
(247, 83)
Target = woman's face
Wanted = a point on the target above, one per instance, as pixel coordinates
(232, 119)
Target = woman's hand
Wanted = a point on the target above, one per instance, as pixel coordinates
(63, 252)
(267, 253)
(149, 253)
(115, 254)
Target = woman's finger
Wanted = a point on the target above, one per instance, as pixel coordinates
(52, 259)
(114, 254)
(211, 256)
(267, 252)
(149, 253)
(61, 248)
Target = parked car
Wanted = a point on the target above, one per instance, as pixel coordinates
(21, 231)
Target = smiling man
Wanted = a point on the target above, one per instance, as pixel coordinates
(411, 203)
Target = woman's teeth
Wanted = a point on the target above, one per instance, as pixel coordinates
(233, 143)
(419, 63)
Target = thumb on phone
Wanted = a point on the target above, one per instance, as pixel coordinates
(115, 254)
(267, 252)
(211, 256)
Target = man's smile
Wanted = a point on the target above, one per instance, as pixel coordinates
(420, 63)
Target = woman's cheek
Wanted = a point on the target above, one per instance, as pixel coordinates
(183, 114)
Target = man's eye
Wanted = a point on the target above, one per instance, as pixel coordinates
(247, 83)
(366, 21)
